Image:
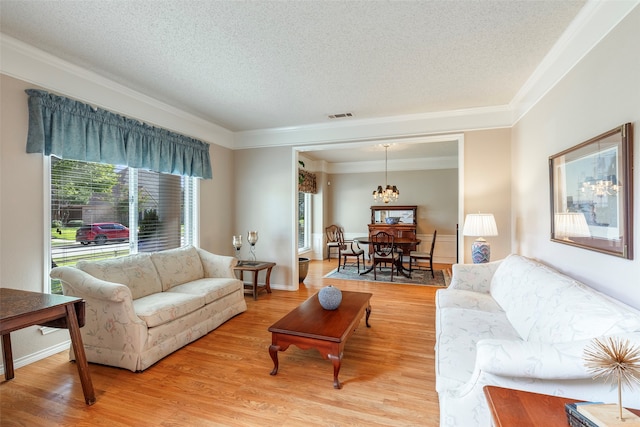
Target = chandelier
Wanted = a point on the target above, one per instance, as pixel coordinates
(390, 192)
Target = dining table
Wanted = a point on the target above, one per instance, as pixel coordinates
(403, 243)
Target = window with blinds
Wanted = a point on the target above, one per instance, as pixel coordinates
(101, 211)
(304, 221)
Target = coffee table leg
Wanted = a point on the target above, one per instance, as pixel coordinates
(366, 319)
(336, 370)
(273, 352)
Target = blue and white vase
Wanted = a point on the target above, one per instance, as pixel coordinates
(330, 297)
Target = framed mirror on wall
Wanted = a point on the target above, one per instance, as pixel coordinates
(398, 215)
(592, 194)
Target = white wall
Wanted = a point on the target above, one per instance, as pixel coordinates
(435, 192)
(487, 185)
(265, 202)
(600, 93)
(21, 216)
(217, 199)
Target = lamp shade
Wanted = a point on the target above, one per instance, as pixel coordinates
(571, 224)
(480, 225)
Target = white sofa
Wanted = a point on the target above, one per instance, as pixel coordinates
(519, 324)
(142, 307)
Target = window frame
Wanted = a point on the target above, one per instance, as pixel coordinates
(191, 216)
(306, 246)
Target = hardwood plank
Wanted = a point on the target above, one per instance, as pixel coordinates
(223, 378)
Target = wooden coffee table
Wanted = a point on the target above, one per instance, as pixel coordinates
(311, 326)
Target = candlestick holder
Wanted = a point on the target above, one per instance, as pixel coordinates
(237, 244)
(252, 238)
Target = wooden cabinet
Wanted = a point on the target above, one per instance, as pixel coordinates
(406, 226)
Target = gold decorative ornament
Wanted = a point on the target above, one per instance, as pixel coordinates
(614, 359)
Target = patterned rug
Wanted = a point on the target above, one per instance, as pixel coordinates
(418, 277)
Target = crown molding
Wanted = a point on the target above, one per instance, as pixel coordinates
(594, 21)
(400, 165)
(25, 62)
(383, 128)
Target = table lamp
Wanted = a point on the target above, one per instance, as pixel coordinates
(478, 225)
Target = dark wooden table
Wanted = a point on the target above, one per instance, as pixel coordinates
(21, 309)
(526, 409)
(256, 267)
(311, 326)
(404, 243)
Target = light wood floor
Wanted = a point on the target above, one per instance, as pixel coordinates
(223, 378)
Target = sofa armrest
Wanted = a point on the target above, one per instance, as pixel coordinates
(217, 265)
(86, 286)
(539, 360)
(473, 277)
(99, 293)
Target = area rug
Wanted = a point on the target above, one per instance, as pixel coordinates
(418, 277)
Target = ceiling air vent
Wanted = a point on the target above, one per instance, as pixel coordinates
(340, 116)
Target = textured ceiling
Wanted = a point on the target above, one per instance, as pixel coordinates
(249, 65)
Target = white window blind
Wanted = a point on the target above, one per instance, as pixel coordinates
(160, 211)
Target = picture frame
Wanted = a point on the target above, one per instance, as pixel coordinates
(591, 189)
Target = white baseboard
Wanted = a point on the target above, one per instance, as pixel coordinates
(39, 355)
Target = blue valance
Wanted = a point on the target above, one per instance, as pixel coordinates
(72, 130)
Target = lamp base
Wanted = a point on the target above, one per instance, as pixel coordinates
(480, 251)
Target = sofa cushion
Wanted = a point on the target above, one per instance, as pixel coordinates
(209, 288)
(458, 332)
(578, 312)
(137, 272)
(178, 266)
(164, 307)
(523, 287)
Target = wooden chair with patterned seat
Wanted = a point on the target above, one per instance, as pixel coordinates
(348, 249)
(384, 252)
(331, 233)
(423, 256)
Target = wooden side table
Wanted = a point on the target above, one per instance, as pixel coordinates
(255, 267)
(526, 409)
(20, 309)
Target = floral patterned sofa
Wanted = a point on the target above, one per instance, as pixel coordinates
(142, 307)
(519, 324)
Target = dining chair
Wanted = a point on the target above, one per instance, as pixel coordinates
(423, 256)
(331, 232)
(348, 249)
(384, 251)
